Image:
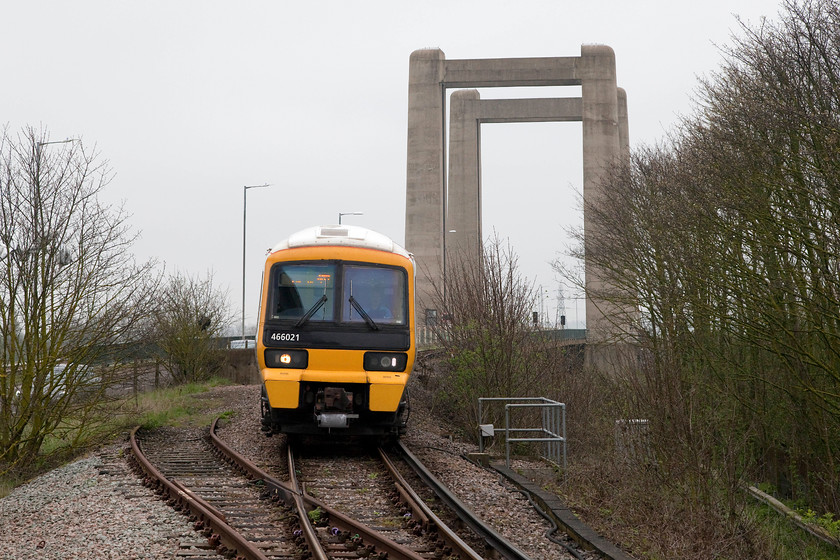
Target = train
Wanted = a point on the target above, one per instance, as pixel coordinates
(335, 336)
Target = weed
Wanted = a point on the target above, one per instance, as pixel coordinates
(826, 521)
(784, 540)
(164, 407)
(391, 522)
(315, 515)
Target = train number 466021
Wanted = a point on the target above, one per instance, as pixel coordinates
(285, 337)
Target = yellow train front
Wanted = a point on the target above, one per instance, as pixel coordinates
(335, 339)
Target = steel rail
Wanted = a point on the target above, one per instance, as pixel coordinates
(496, 541)
(306, 526)
(227, 535)
(289, 494)
(277, 489)
(198, 499)
(421, 511)
(380, 542)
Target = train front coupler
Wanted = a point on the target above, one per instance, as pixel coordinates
(334, 408)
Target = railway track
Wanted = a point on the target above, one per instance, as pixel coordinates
(243, 511)
(225, 505)
(353, 505)
(365, 484)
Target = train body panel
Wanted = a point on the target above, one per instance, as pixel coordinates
(335, 340)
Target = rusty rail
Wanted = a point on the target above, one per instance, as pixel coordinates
(496, 541)
(425, 515)
(290, 494)
(222, 533)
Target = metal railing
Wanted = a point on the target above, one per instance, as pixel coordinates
(552, 432)
(429, 336)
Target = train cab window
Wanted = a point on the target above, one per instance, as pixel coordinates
(379, 292)
(301, 288)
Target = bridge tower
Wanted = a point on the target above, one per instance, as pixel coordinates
(435, 206)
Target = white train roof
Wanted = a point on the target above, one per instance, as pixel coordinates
(348, 236)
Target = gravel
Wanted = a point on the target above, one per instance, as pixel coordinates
(486, 493)
(91, 507)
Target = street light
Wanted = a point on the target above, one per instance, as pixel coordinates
(63, 254)
(340, 214)
(39, 144)
(244, 218)
(445, 308)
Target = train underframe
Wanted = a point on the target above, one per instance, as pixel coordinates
(334, 409)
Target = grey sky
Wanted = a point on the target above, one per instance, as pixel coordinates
(192, 100)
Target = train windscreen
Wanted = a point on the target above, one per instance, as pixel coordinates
(378, 291)
(300, 288)
(307, 292)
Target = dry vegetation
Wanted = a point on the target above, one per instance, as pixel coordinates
(723, 244)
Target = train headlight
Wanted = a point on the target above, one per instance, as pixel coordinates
(291, 359)
(385, 361)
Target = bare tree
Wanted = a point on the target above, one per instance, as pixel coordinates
(771, 125)
(190, 316)
(487, 331)
(69, 290)
(727, 239)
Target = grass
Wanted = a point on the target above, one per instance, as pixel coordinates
(788, 542)
(657, 521)
(7, 484)
(826, 521)
(174, 406)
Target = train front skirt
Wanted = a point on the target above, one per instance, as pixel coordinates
(328, 409)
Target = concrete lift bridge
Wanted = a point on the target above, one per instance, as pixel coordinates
(435, 205)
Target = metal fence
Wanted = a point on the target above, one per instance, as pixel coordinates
(428, 336)
(632, 438)
(552, 433)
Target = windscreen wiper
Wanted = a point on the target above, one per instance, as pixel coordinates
(312, 311)
(358, 307)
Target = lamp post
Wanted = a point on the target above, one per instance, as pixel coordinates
(340, 214)
(39, 144)
(244, 222)
(39, 240)
(445, 303)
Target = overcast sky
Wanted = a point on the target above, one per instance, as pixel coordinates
(190, 101)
